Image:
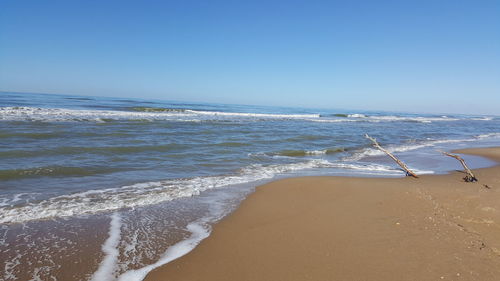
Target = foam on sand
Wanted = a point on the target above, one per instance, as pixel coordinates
(108, 265)
(198, 233)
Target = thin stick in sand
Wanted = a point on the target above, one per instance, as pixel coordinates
(400, 163)
(470, 176)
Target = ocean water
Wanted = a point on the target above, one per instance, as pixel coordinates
(110, 188)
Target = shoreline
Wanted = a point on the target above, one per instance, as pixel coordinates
(322, 228)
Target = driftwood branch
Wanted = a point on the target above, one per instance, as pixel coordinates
(470, 176)
(400, 163)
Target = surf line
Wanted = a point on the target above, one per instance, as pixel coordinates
(199, 231)
(107, 268)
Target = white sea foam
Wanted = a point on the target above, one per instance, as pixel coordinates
(387, 118)
(392, 118)
(198, 233)
(491, 135)
(317, 152)
(19, 197)
(142, 194)
(332, 120)
(76, 115)
(259, 115)
(5, 201)
(485, 118)
(9, 267)
(377, 169)
(368, 168)
(107, 268)
(414, 119)
(148, 193)
(80, 115)
(366, 152)
(294, 153)
(356, 115)
(64, 115)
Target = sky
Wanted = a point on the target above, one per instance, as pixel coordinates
(435, 56)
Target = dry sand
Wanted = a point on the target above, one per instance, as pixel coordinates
(340, 228)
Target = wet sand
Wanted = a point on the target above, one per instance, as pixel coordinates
(436, 227)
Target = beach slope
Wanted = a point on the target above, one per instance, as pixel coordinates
(436, 227)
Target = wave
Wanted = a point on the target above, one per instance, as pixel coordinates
(367, 152)
(74, 150)
(260, 115)
(484, 118)
(34, 114)
(412, 119)
(149, 193)
(142, 194)
(155, 109)
(344, 115)
(424, 119)
(334, 115)
(301, 153)
(54, 171)
(331, 120)
(490, 135)
(378, 119)
(394, 118)
(377, 169)
(18, 198)
(358, 117)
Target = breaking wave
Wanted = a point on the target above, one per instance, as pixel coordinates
(367, 152)
(35, 114)
(300, 153)
(156, 109)
(148, 193)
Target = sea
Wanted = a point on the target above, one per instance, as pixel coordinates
(97, 188)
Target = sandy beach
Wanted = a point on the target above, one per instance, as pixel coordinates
(436, 227)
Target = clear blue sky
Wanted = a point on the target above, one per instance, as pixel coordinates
(422, 55)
